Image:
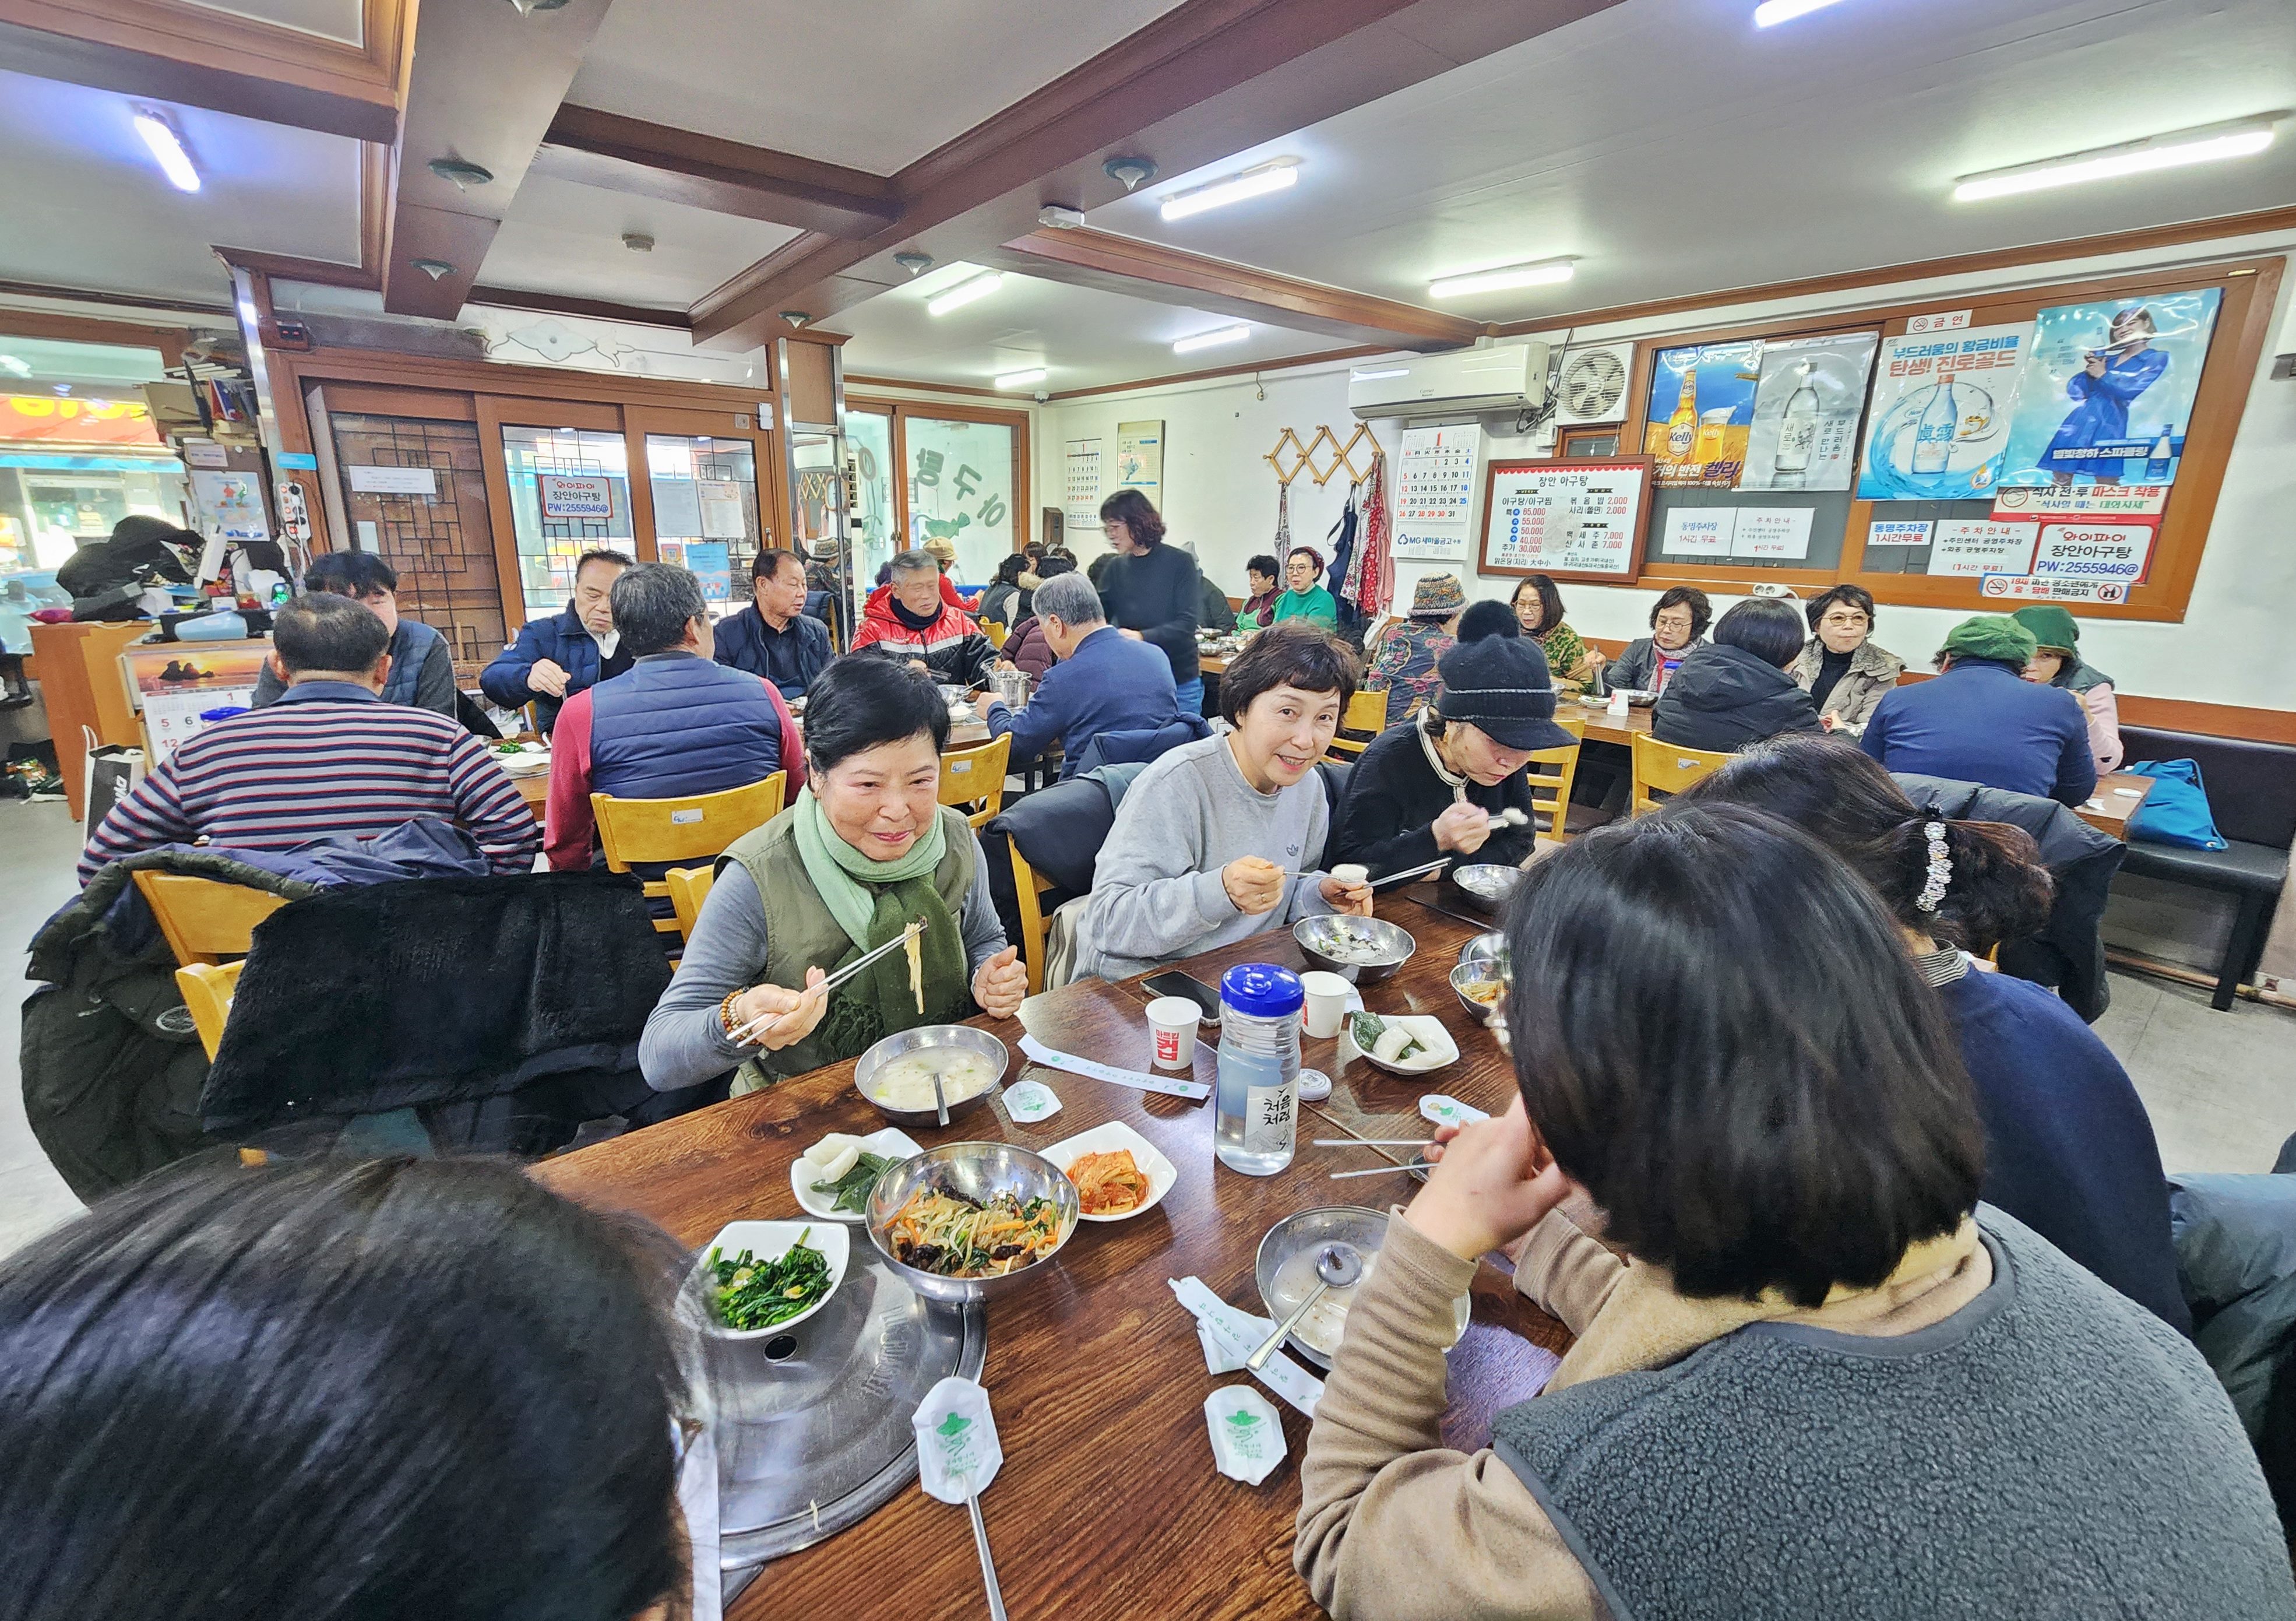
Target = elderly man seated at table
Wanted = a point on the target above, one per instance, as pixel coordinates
(330, 758)
(910, 621)
(676, 724)
(866, 847)
(555, 658)
(1981, 721)
(422, 664)
(773, 637)
(1224, 837)
(1104, 681)
(1434, 786)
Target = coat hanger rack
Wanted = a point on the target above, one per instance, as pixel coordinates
(1343, 455)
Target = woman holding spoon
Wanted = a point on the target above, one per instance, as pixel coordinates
(866, 851)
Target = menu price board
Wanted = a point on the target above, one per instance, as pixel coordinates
(1575, 519)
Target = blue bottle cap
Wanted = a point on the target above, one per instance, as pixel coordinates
(1262, 988)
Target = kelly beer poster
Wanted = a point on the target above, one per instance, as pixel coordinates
(1701, 405)
(2107, 391)
(1939, 423)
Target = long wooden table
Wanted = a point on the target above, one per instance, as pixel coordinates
(1108, 1502)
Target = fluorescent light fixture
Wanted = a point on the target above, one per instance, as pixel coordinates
(2241, 138)
(167, 147)
(965, 292)
(1384, 371)
(1535, 275)
(1212, 340)
(1771, 12)
(15, 366)
(1257, 181)
(1021, 380)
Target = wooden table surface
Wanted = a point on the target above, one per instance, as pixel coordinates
(1108, 1503)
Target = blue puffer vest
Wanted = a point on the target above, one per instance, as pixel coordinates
(676, 724)
(410, 646)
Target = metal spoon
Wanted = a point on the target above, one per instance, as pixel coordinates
(987, 1565)
(1337, 1267)
(941, 1102)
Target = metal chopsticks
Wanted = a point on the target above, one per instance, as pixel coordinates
(748, 1035)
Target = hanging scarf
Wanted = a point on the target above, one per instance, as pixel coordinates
(872, 902)
(1371, 576)
(1283, 526)
(1342, 541)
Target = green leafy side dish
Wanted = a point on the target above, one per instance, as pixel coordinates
(754, 1293)
(1368, 1027)
(851, 1190)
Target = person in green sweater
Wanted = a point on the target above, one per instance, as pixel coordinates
(1306, 601)
(1538, 610)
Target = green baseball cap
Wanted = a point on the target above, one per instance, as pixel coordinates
(1992, 636)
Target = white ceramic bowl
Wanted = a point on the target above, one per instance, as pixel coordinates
(1440, 1049)
(1160, 1172)
(769, 1241)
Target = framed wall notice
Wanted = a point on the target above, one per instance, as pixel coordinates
(1140, 460)
(1581, 520)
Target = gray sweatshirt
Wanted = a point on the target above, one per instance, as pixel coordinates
(1156, 888)
(684, 1042)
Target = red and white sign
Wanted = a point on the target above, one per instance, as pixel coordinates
(1977, 547)
(2121, 552)
(2087, 501)
(575, 496)
(1944, 320)
(2049, 587)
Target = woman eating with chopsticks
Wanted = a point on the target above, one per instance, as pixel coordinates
(866, 851)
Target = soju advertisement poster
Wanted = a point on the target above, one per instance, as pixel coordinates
(2107, 391)
(1701, 403)
(1806, 405)
(1939, 422)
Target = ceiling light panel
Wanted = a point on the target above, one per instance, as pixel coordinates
(2209, 144)
(167, 147)
(1257, 181)
(1772, 13)
(1212, 340)
(966, 293)
(1021, 380)
(1538, 272)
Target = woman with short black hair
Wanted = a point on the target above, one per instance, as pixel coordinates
(1537, 604)
(1221, 838)
(1731, 1072)
(1735, 690)
(1263, 578)
(1006, 599)
(1678, 621)
(1845, 672)
(2069, 1150)
(341, 1388)
(1302, 598)
(866, 847)
(1152, 591)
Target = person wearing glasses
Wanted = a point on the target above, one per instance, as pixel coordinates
(1677, 624)
(1845, 672)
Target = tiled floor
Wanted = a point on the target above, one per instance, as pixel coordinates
(2222, 1087)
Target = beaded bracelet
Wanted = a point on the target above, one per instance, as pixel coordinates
(725, 1014)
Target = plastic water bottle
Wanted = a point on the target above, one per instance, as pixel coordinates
(1257, 1101)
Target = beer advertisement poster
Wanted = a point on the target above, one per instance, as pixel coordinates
(1701, 404)
(1807, 403)
(1939, 424)
(2107, 391)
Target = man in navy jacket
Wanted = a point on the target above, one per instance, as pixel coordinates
(1981, 721)
(773, 637)
(1104, 681)
(555, 658)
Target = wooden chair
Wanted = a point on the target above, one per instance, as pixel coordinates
(1550, 791)
(689, 887)
(1663, 769)
(631, 831)
(1366, 712)
(973, 779)
(203, 920)
(208, 989)
(994, 632)
(1030, 886)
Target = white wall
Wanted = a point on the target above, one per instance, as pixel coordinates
(2233, 647)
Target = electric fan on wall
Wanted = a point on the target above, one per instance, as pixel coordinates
(1591, 386)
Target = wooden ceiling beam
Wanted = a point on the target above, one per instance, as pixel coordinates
(483, 83)
(562, 303)
(1101, 259)
(625, 154)
(1205, 80)
(198, 57)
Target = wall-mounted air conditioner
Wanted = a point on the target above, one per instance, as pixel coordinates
(1460, 383)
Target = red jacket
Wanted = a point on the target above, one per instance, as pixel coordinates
(952, 646)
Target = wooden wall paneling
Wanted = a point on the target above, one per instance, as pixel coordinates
(640, 483)
(509, 381)
(602, 310)
(810, 395)
(498, 512)
(432, 405)
(525, 413)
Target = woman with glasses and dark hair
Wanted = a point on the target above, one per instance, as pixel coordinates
(1537, 604)
(1678, 621)
(1812, 1374)
(1302, 599)
(1845, 672)
(1735, 690)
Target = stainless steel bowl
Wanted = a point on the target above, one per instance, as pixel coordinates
(906, 1042)
(1311, 1229)
(1488, 973)
(1317, 937)
(1491, 885)
(977, 1171)
(1490, 948)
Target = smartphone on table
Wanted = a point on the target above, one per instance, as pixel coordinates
(1172, 983)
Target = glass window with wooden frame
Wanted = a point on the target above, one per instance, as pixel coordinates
(1843, 544)
(705, 511)
(956, 471)
(570, 493)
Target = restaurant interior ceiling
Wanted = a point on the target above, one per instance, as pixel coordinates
(711, 164)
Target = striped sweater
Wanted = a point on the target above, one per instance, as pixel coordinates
(328, 758)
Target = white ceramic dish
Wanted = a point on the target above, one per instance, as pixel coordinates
(891, 1143)
(1160, 1172)
(1440, 1048)
(769, 1241)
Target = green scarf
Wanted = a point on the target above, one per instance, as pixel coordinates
(872, 902)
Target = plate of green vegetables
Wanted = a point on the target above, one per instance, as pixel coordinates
(760, 1279)
(831, 1179)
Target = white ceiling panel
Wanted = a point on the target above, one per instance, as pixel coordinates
(873, 86)
(34, 365)
(566, 238)
(342, 20)
(1676, 149)
(1083, 337)
(82, 203)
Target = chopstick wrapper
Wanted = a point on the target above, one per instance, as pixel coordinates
(957, 1450)
(1247, 1433)
(1237, 1334)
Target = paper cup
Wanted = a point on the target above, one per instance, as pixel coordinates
(1351, 872)
(1327, 1002)
(1172, 1024)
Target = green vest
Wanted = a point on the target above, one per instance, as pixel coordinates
(800, 934)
